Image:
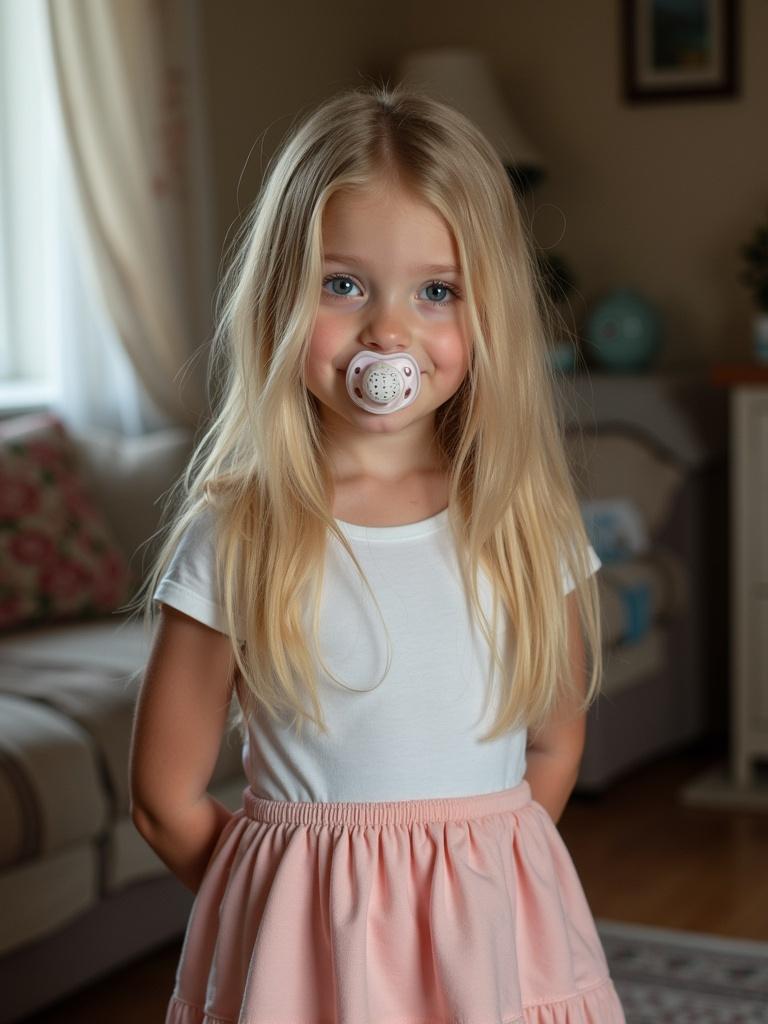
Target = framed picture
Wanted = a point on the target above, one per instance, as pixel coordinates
(679, 49)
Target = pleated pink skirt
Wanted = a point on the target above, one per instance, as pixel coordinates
(462, 910)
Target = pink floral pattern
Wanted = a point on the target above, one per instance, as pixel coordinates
(58, 558)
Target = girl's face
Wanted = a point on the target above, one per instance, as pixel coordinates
(391, 283)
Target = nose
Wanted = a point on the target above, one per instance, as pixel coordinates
(386, 330)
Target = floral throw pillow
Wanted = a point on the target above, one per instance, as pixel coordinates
(58, 558)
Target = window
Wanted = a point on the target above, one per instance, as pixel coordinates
(30, 198)
(58, 345)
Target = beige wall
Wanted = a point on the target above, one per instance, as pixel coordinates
(657, 197)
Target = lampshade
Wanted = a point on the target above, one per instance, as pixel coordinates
(463, 78)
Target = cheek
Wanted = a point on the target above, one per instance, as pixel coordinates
(323, 347)
(450, 350)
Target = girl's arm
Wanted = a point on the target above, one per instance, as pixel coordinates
(180, 717)
(553, 760)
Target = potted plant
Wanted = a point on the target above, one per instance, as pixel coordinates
(755, 277)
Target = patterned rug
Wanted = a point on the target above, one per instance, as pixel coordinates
(666, 976)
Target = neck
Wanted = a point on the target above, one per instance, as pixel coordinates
(381, 455)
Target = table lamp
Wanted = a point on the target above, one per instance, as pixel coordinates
(463, 78)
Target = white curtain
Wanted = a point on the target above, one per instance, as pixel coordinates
(96, 383)
(135, 210)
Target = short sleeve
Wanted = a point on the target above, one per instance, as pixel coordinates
(594, 563)
(188, 583)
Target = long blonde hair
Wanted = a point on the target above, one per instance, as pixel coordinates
(262, 466)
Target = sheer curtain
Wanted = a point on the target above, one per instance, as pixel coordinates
(106, 261)
(96, 384)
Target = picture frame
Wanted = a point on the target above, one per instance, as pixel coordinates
(680, 49)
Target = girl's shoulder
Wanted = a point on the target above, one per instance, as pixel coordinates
(196, 543)
(190, 581)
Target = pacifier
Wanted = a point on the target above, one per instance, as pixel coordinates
(383, 382)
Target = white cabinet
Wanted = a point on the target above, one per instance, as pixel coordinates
(749, 580)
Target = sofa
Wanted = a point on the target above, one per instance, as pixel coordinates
(82, 893)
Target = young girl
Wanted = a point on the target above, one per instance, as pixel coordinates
(383, 475)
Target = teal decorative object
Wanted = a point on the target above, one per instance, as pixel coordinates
(623, 331)
(562, 356)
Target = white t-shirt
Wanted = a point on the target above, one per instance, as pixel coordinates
(415, 735)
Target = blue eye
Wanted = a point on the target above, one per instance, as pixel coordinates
(338, 277)
(444, 287)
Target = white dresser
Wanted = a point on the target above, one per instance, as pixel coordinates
(749, 572)
(742, 780)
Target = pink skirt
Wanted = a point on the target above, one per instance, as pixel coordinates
(461, 910)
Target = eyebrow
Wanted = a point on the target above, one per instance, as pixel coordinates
(429, 268)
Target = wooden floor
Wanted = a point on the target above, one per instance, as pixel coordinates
(644, 857)
(641, 857)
